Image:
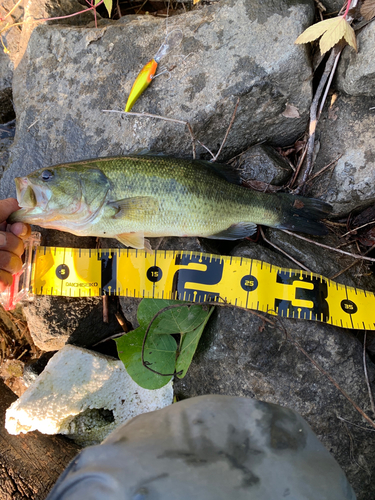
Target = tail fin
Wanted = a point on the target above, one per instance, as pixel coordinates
(303, 215)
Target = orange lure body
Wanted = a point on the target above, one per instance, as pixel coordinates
(142, 81)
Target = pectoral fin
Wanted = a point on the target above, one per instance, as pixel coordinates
(235, 232)
(134, 208)
(135, 240)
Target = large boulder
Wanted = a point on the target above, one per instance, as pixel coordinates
(346, 133)
(68, 75)
(356, 70)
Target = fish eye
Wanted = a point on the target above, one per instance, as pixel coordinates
(47, 175)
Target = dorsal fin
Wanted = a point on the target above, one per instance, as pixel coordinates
(222, 170)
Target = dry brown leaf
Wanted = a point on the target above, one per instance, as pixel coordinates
(333, 35)
(368, 9)
(333, 30)
(291, 111)
(333, 99)
(316, 30)
(350, 37)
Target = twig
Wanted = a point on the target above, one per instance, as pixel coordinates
(227, 132)
(24, 352)
(353, 255)
(366, 376)
(111, 337)
(34, 123)
(207, 149)
(326, 374)
(356, 425)
(122, 322)
(11, 10)
(283, 251)
(314, 116)
(333, 71)
(351, 265)
(356, 228)
(321, 171)
(149, 115)
(298, 168)
(105, 309)
(141, 7)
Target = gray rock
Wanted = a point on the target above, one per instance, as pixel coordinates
(6, 106)
(346, 130)
(69, 75)
(356, 70)
(263, 163)
(55, 321)
(332, 6)
(7, 132)
(240, 354)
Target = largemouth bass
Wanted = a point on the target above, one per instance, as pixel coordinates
(133, 197)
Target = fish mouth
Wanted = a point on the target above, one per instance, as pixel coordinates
(31, 197)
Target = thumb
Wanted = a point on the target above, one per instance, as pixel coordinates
(7, 207)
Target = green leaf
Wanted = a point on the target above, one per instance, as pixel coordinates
(160, 352)
(179, 320)
(108, 5)
(161, 348)
(188, 345)
(149, 307)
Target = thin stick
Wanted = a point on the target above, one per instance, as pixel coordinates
(351, 265)
(105, 309)
(122, 322)
(111, 337)
(356, 425)
(206, 148)
(283, 251)
(11, 10)
(227, 132)
(314, 117)
(298, 168)
(366, 375)
(149, 115)
(323, 169)
(333, 71)
(353, 255)
(356, 228)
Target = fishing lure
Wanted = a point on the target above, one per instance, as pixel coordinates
(147, 73)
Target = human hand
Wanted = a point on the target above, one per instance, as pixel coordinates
(11, 244)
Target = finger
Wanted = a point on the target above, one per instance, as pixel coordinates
(10, 243)
(7, 207)
(20, 229)
(10, 262)
(6, 279)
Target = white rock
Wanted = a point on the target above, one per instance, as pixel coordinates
(84, 395)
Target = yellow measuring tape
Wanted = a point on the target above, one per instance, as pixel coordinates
(199, 277)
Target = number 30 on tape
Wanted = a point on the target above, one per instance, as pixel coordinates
(200, 277)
